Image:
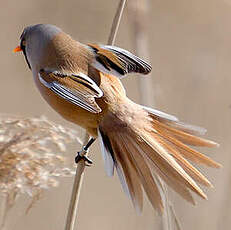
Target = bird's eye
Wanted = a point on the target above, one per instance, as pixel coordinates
(23, 43)
(23, 47)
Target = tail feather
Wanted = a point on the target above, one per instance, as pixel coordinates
(167, 164)
(156, 114)
(125, 167)
(155, 146)
(183, 136)
(174, 122)
(122, 179)
(107, 153)
(144, 173)
(126, 173)
(188, 168)
(188, 128)
(186, 151)
(172, 182)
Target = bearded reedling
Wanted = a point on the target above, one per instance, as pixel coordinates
(81, 82)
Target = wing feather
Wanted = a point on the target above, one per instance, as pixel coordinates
(78, 89)
(117, 61)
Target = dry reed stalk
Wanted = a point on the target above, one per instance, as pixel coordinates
(31, 158)
(138, 15)
(73, 206)
(116, 22)
(72, 209)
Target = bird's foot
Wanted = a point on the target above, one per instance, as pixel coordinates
(82, 156)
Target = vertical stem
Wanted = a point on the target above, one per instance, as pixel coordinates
(138, 15)
(3, 212)
(72, 211)
(73, 206)
(116, 22)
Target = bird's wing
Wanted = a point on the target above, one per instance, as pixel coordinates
(78, 89)
(117, 61)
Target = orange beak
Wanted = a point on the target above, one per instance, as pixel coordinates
(17, 49)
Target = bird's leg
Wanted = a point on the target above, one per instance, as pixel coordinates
(82, 154)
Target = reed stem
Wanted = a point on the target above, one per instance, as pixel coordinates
(73, 206)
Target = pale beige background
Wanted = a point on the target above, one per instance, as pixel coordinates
(191, 56)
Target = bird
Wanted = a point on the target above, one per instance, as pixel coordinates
(145, 146)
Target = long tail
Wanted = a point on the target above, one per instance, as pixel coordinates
(157, 148)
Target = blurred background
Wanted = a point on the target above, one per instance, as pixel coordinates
(188, 44)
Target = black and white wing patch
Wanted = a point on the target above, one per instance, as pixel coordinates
(117, 61)
(78, 89)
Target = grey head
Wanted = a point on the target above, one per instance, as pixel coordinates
(34, 40)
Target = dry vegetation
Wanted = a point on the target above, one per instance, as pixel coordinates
(32, 157)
